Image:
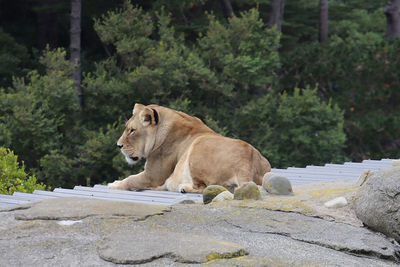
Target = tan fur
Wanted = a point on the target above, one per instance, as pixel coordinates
(183, 154)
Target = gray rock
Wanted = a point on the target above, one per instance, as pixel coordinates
(79, 208)
(223, 196)
(149, 243)
(283, 238)
(212, 191)
(247, 191)
(338, 202)
(278, 185)
(377, 204)
(184, 200)
(216, 233)
(264, 194)
(364, 177)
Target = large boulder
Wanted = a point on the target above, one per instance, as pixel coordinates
(377, 204)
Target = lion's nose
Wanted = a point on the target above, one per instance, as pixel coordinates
(120, 146)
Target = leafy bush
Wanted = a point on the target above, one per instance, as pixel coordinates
(293, 130)
(12, 57)
(40, 113)
(13, 176)
(360, 74)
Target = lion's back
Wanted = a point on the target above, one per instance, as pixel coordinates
(215, 158)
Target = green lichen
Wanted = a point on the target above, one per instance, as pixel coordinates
(249, 191)
(228, 255)
(211, 192)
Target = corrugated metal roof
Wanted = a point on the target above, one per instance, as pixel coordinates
(297, 176)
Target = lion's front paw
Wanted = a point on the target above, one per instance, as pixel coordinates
(185, 188)
(116, 185)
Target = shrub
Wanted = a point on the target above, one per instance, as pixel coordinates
(39, 112)
(360, 74)
(293, 130)
(13, 176)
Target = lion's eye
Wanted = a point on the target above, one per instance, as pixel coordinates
(131, 131)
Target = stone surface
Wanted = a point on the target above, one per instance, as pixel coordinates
(79, 208)
(268, 175)
(147, 243)
(228, 233)
(184, 200)
(377, 204)
(309, 200)
(336, 203)
(285, 237)
(278, 185)
(248, 191)
(212, 191)
(223, 196)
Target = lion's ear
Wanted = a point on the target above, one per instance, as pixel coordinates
(148, 116)
(137, 108)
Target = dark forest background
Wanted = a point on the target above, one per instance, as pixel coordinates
(306, 81)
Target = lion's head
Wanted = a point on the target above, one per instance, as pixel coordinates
(139, 135)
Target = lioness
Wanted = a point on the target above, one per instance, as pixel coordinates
(183, 154)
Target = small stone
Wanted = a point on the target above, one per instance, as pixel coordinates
(264, 194)
(247, 191)
(211, 192)
(223, 196)
(275, 184)
(336, 202)
(68, 222)
(268, 175)
(184, 200)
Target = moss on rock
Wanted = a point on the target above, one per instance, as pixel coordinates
(211, 192)
(247, 191)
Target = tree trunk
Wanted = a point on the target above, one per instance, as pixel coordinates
(75, 46)
(323, 21)
(276, 17)
(392, 12)
(228, 8)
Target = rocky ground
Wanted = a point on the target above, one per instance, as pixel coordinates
(276, 231)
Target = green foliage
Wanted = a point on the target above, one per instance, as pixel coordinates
(243, 55)
(40, 113)
(295, 129)
(58, 170)
(128, 29)
(360, 74)
(219, 69)
(13, 176)
(12, 55)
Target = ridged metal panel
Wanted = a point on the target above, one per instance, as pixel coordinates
(297, 176)
(12, 200)
(346, 171)
(72, 193)
(145, 194)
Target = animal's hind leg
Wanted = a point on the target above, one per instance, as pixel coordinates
(160, 188)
